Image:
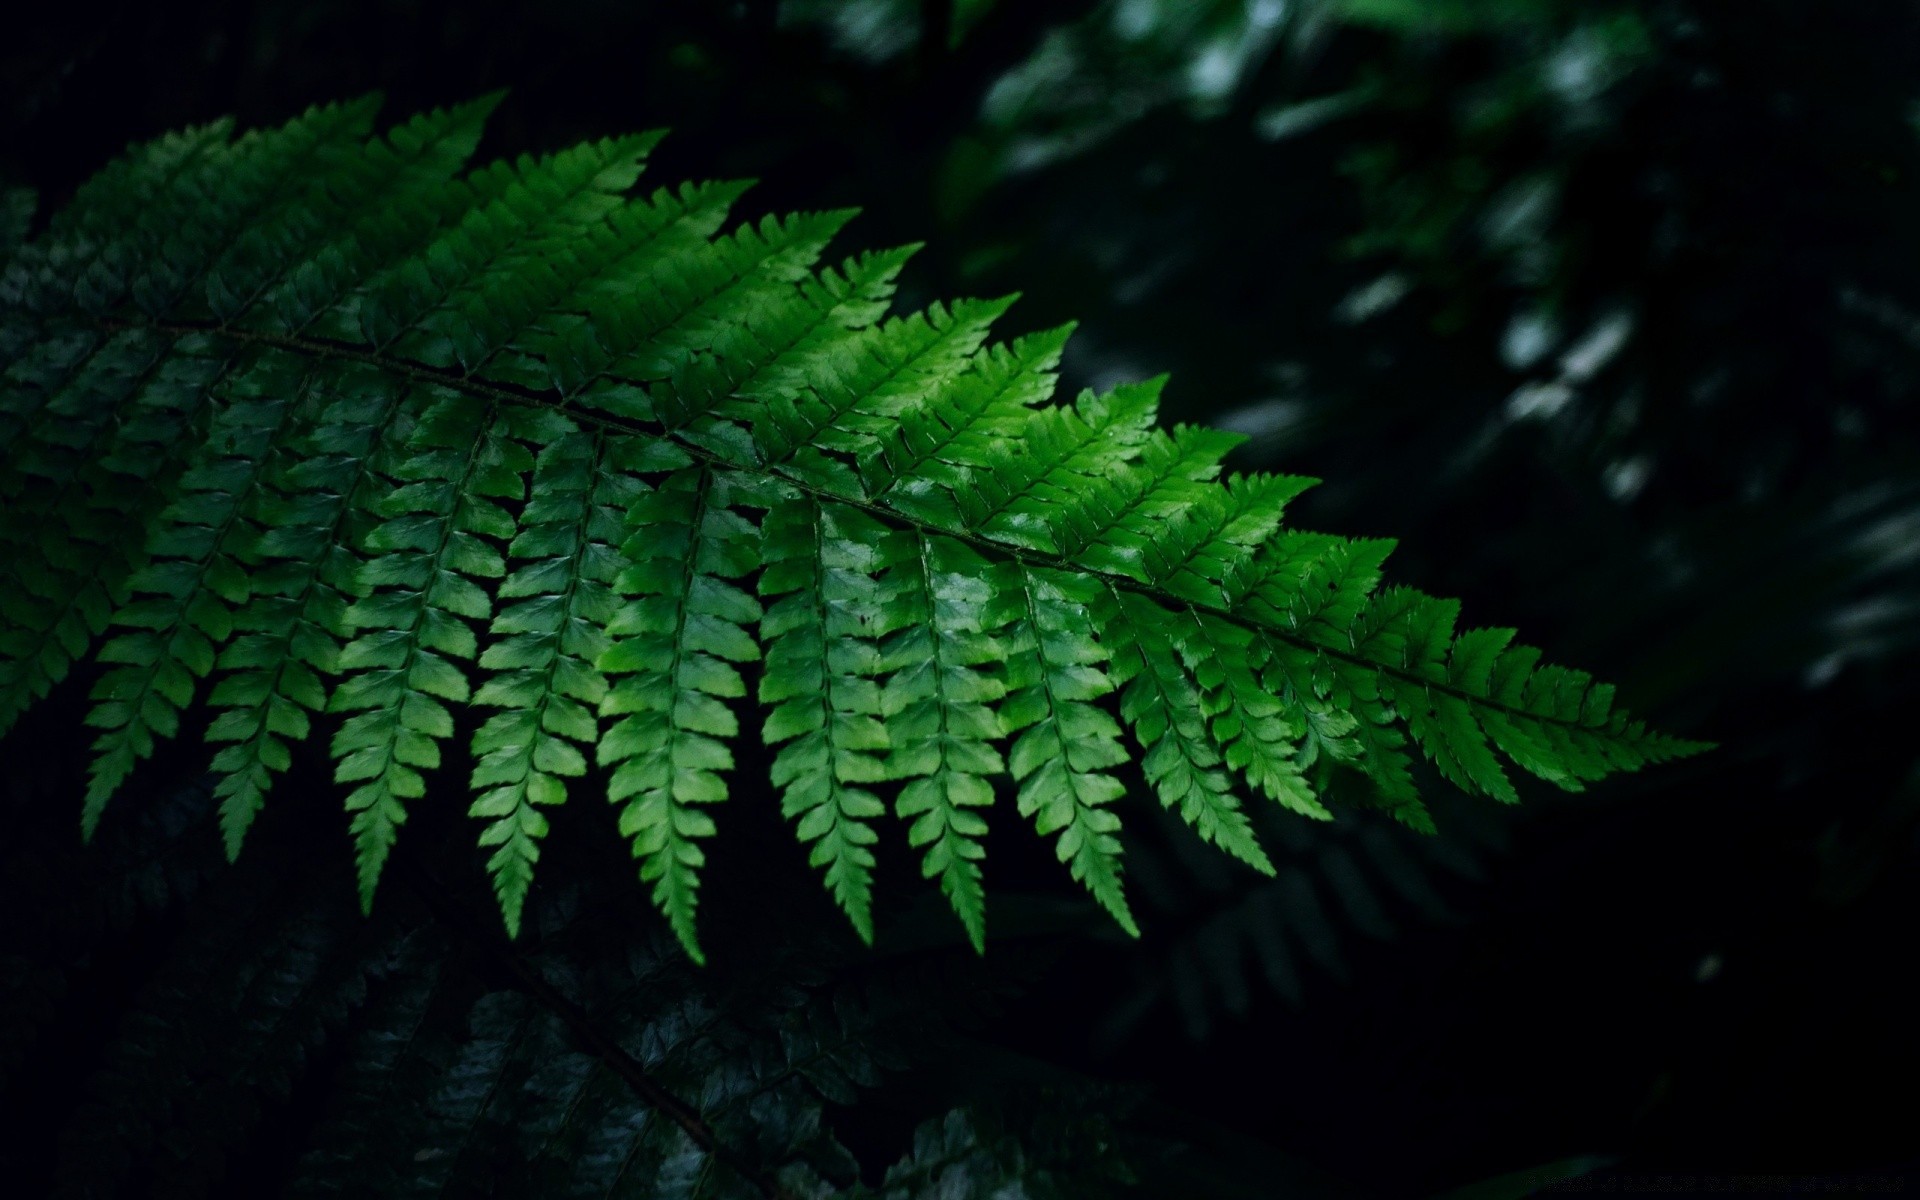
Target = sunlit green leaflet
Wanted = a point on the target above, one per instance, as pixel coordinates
(519, 456)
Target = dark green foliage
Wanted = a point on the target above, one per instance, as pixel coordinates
(317, 416)
(1224, 940)
(413, 1053)
(967, 1154)
(1618, 339)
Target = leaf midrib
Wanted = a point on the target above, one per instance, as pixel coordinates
(517, 394)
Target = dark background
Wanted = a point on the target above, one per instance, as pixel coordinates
(1608, 311)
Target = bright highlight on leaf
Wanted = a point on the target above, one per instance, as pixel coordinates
(521, 456)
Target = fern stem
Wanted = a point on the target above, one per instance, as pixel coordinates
(515, 394)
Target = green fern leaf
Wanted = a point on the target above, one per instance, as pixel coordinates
(421, 583)
(820, 681)
(1161, 701)
(1066, 746)
(547, 643)
(358, 434)
(188, 592)
(939, 703)
(678, 640)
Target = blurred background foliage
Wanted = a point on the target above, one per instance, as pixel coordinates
(1608, 309)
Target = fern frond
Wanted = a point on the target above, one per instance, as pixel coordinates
(187, 594)
(424, 562)
(547, 644)
(517, 455)
(1067, 746)
(304, 575)
(1162, 702)
(939, 703)
(820, 679)
(678, 640)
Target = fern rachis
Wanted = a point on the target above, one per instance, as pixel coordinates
(519, 456)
